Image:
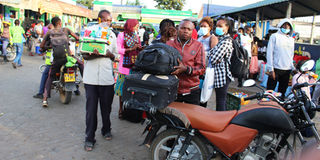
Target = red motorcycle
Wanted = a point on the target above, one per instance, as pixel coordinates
(256, 132)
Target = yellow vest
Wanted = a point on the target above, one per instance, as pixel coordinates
(48, 57)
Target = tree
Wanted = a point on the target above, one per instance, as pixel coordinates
(170, 4)
(136, 3)
(87, 3)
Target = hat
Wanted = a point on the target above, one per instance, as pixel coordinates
(6, 22)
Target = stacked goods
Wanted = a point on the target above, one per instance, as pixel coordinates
(152, 87)
(95, 37)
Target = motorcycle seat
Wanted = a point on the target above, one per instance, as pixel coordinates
(200, 118)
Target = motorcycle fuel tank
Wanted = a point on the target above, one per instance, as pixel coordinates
(265, 120)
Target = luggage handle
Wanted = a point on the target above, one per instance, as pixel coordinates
(154, 60)
(142, 90)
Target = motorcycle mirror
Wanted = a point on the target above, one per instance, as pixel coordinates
(249, 83)
(307, 66)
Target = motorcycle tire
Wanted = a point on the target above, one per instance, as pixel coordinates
(168, 136)
(65, 96)
(11, 53)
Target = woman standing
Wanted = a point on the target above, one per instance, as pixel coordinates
(128, 43)
(219, 57)
(254, 65)
(208, 41)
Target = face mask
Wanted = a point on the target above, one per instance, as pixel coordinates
(203, 31)
(285, 31)
(219, 31)
(104, 24)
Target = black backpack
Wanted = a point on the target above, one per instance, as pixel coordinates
(239, 61)
(158, 59)
(59, 42)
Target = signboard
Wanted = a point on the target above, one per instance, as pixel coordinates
(10, 1)
(120, 9)
(166, 12)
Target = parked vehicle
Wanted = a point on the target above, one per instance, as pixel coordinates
(11, 52)
(256, 132)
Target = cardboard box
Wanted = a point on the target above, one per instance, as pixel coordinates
(87, 45)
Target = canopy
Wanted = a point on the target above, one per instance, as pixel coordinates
(274, 9)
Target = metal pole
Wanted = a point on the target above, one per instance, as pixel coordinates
(257, 22)
(312, 28)
(239, 21)
(208, 8)
(289, 10)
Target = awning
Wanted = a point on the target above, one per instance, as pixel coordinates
(74, 10)
(49, 7)
(274, 9)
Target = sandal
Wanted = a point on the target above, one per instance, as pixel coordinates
(88, 146)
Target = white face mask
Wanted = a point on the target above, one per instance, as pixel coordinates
(203, 31)
(104, 24)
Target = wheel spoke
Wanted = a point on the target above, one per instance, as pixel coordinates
(165, 148)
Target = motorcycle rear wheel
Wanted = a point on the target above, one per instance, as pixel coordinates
(164, 141)
(65, 96)
(11, 53)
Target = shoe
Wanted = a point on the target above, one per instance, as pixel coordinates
(88, 146)
(40, 96)
(19, 65)
(77, 92)
(45, 104)
(14, 65)
(107, 136)
(5, 59)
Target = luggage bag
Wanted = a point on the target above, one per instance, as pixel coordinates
(149, 92)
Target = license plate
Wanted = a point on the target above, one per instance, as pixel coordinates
(69, 77)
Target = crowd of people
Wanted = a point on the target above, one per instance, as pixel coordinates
(207, 44)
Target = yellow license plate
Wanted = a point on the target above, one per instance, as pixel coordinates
(69, 77)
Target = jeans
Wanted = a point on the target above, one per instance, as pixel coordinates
(44, 78)
(19, 48)
(221, 96)
(95, 94)
(5, 42)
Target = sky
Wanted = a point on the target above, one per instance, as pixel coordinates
(195, 5)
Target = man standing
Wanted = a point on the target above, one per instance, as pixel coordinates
(5, 38)
(98, 81)
(192, 65)
(280, 54)
(16, 33)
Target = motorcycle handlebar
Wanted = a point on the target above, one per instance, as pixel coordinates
(252, 97)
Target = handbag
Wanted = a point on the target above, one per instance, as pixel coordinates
(130, 58)
(207, 84)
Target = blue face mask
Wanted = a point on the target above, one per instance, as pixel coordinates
(219, 31)
(285, 31)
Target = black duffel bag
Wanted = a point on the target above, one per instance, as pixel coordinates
(158, 59)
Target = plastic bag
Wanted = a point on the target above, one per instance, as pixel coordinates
(207, 85)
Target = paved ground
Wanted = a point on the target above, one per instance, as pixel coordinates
(30, 132)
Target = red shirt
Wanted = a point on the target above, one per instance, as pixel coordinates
(194, 34)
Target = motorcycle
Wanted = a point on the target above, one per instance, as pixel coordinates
(66, 81)
(11, 51)
(256, 132)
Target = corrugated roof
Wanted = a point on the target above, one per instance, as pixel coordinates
(251, 6)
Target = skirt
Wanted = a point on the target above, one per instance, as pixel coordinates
(254, 65)
(119, 84)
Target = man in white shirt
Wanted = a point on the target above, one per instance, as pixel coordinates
(98, 81)
(141, 33)
(280, 52)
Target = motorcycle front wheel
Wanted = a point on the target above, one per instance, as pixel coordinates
(65, 96)
(163, 144)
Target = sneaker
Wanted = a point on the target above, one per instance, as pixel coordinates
(107, 136)
(19, 65)
(77, 92)
(45, 104)
(14, 65)
(40, 96)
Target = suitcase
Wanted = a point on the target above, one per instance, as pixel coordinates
(149, 92)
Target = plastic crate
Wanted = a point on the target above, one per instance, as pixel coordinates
(233, 102)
